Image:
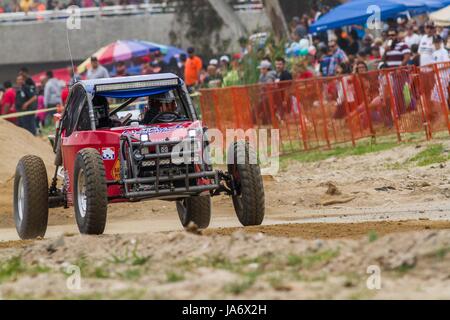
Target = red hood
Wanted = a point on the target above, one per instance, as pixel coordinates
(161, 131)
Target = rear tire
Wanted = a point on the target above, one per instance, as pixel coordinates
(31, 197)
(195, 209)
(249, 201)
(90, 192)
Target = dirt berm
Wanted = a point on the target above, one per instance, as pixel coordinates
(16, 142)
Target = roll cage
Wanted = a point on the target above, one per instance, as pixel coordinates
(79, 110)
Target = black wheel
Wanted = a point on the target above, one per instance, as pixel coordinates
(249, 200)
(196, 209)
(31, 197)
(90, 192)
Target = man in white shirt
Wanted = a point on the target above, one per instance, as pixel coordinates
(97, 71)
(426, 47)
(440, 54)
(411, 37)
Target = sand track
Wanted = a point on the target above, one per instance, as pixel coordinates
(326, 222)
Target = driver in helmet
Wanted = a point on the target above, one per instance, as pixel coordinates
(163, 102)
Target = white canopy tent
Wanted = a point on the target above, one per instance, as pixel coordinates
(441, 17)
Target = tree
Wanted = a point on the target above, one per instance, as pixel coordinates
(276, 16)
(229, 16)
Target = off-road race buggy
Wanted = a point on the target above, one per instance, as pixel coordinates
(130, 151)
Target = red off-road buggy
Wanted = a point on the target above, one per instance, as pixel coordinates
(132, 139)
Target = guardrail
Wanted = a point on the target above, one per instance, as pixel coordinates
(108, 11)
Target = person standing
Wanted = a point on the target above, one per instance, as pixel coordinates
(440, 54)
(159, 63)
(28, 80)
(8, 101)
(338, 57)
(52, 95)
(172, 66)
(213, 78)
(192, 69)
(121, 69)
(414, 60)
(280, 68)
(224, 62)
(397, 52)
(426, 47)
(146, 68)
(26, 100)
(74, 77)
(266, 74)
(411, 37)
(182, 65)
(232, 78)
(96, 71)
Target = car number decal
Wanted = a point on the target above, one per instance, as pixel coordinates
(108, 153)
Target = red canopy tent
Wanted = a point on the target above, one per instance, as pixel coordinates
(61, 74)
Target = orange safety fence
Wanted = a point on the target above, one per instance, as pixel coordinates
(322, 112)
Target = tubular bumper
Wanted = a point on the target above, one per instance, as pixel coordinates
(164, 182)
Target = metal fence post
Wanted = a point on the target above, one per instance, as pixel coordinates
(441, 96)
(394, 113)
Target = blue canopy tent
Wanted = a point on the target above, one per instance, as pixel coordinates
(355, 12)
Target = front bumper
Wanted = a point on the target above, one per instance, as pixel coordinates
(162, 177)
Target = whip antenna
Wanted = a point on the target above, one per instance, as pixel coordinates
(70, 54)
(72, 23)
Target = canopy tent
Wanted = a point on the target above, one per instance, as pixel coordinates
(169, 52)
(122, 50)
(62, 74)
(441, 17)
(355, 12)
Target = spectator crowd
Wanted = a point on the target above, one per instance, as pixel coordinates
(259, 59)
(338, 52)
(326, 54)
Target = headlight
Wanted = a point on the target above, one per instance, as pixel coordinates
(192, 133)
(137, 155)
(144, 137)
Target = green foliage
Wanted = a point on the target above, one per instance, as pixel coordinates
(340, 151)
(442, 252)
(11, 268)
(202, 27)
(173, 276)
(432, 154)
(239, 286)
(373, 236)
(310, 260)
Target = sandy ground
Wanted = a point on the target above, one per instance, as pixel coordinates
(181, 265)
(326, 223)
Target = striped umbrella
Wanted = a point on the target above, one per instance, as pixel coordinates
(167, 51)
(120, 50)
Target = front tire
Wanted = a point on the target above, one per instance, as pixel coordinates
(249, 200)
(195, 209)
(90, 192)
(31, 197)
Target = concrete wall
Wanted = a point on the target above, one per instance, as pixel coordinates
(45, 42)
